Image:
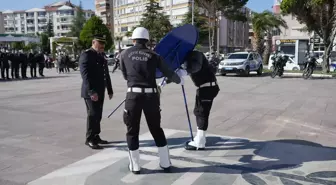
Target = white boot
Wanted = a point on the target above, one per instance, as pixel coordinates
(198, 143)
(164, 158)
(134, 160)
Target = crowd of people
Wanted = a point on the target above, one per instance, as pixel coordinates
(63, 63)
(14, 64)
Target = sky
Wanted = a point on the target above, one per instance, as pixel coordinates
(255, 5)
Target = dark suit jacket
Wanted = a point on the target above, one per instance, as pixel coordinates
(95, 74)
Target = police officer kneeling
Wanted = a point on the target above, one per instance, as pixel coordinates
(138, 66)
(203, 76)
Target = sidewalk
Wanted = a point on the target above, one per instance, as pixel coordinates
(313, 75)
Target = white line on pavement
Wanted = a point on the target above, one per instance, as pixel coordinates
(77, 173)
(188, 178)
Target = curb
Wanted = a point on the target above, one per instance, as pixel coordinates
(313, 75)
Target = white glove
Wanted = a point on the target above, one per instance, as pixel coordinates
(181, 72)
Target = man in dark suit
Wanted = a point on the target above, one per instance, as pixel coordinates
(96, 79)
(32, 63)
(24, 64)
(41, 62)
(4, 65)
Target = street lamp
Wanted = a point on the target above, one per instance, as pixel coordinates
(192, 11)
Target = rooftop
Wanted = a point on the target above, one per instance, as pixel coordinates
(60, 5)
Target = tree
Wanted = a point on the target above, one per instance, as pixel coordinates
(263, 23)
(319, 16)
(215, 8)
(129, 33)
(200, 22)
(45, 46)
(95, 26)
(32, 46)
(156, 22)
(18, 45)
(78, 22)
(118, 39)
(50, 29)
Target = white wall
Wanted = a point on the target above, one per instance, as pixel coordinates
(293, 27)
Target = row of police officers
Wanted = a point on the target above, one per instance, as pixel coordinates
(14, 62)
(138, 66)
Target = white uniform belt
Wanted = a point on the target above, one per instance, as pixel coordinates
(208, 84)
(142, 90)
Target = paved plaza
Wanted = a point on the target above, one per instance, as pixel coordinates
(262, 131)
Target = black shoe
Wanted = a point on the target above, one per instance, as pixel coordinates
(100, 141)
(190, 147)
(166, 170)
(93, 145)
(134, 172)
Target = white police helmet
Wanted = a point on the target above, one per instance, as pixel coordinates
(140, 33)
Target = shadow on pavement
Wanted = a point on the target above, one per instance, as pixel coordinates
(257, 157)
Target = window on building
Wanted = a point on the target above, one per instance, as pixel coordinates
(276, 32)
(30, 14)
(41, 14)
(124, 29)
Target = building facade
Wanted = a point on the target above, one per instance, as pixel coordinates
(293, 39)
(128, 13)
(234, 35)
(35, 20)
(104, 10)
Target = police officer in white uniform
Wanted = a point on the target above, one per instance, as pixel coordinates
(138, 66)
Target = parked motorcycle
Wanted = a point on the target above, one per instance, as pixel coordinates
(73, 64)
(279, 62)
(309, 66)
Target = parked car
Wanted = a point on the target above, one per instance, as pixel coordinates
(110, 59)
(290, 65)
(241, 63)
(319, 56)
